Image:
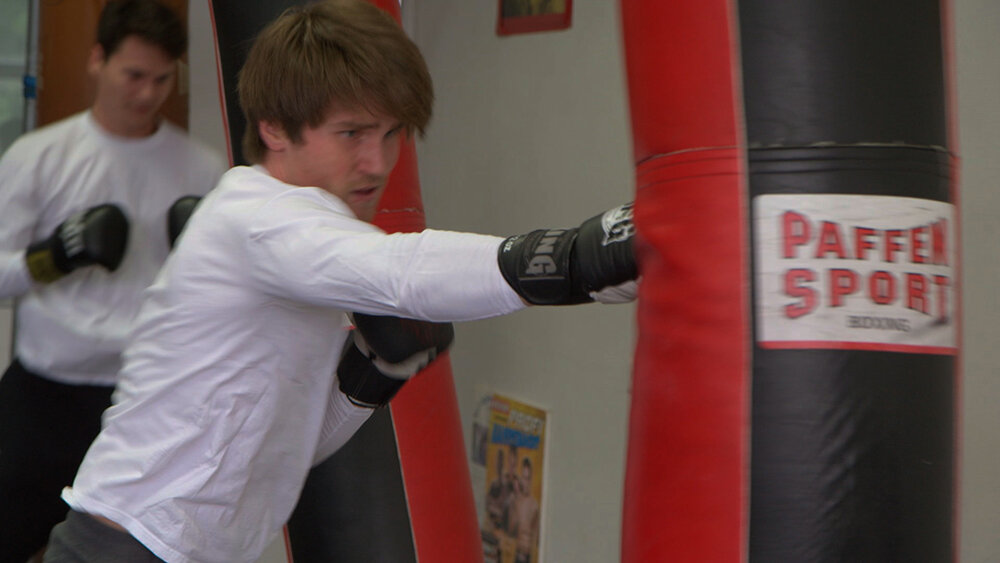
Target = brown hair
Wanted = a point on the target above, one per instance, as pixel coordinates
(149, 20)
(336, 53)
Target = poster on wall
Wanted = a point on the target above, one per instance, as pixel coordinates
(508, 445)
(527, 16)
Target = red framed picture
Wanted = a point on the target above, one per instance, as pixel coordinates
(526, 16)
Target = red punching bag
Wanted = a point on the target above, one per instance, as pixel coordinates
(796, 370)
(686, 465)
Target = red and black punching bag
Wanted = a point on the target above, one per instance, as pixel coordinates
(400, 489)
(795, 384)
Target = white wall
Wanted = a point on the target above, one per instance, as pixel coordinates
(532, 131)
(204, 113)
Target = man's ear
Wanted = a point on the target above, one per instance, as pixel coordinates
(273, 135)
(96, 59)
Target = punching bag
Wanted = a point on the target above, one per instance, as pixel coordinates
(400, 489)
(794, 394)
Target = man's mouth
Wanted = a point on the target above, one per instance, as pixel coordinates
(365, 193)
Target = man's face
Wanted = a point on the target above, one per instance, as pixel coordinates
(132, 84)
(349, 155)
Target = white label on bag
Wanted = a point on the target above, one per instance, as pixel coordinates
(855, 272)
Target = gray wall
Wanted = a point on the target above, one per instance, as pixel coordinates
(529, 132)
(977, 23)
(532, 131)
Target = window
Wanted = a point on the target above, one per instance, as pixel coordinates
(13, 57)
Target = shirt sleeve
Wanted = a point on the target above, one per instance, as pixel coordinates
(343, 418)
(18, 214)
(303, 249)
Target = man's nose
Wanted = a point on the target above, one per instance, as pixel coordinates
(379, 156)
(147, 91)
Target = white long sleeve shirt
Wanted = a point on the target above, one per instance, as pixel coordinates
(73, 330)
(228, 394)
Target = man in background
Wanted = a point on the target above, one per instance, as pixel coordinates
(84, 207)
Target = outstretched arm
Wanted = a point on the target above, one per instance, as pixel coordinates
(594, 262)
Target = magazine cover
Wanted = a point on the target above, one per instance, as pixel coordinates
(508, 443)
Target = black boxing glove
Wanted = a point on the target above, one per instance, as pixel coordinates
(387, 351)
(178, 215)
(594, 262)
(96, 236)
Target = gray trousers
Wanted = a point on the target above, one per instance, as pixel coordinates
(83, 539)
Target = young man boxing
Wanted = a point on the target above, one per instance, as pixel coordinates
(231, 390)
